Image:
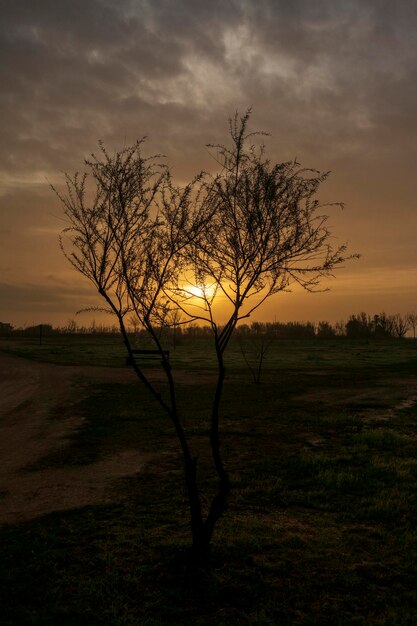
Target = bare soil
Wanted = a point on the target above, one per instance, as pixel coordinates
(30, 394)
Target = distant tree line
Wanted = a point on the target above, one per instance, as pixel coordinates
(358, 326)
(68, 329)
(380, 326)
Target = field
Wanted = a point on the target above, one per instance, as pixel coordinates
(321, 528)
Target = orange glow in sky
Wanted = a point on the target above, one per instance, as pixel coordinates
(333, 84)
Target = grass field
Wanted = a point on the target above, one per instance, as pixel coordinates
(321, 528)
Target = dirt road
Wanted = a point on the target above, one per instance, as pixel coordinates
(30, 394)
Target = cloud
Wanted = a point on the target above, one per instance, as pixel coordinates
(334, 82)
(75, 71)
(44, 298)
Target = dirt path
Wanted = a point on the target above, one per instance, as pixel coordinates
(30, 393)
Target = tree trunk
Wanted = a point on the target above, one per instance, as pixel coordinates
(201, 547)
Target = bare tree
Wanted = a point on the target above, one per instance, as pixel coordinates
(266, 232)
(151, 248)
(400, 325)
(128, 238)
(412, 321)
(254, 350)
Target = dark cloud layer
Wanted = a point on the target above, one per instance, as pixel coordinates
(333, 81)
(49, 301)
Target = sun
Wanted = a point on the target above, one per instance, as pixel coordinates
(198, 292)
(201, 292)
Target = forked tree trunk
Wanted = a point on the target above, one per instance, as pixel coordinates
(202, 534)
(202, 530)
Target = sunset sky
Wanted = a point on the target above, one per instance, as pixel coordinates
(333, 81)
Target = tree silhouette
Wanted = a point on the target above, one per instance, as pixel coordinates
(412, 321)
(152, 249)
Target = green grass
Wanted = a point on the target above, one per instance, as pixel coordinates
(321, 525)
(70, 349)
(197, 353)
